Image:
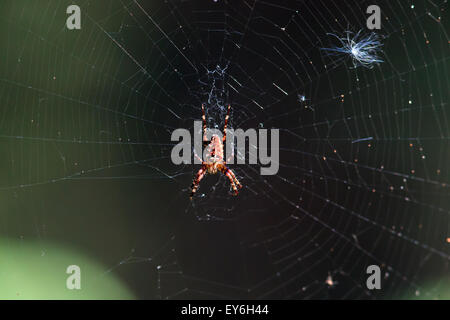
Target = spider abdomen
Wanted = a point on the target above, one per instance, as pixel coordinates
(214, 150)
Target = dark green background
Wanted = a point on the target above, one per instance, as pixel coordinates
(85, 148)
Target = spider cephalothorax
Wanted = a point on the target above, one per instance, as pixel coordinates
(214, 159)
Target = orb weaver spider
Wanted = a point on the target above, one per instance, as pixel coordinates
(214, 161)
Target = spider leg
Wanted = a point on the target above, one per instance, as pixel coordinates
(236, 181)
(230, 175)
(204, 123)
(198, 177)
(226, 124)
(224, 140)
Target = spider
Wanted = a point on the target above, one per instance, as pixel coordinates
(214, 158)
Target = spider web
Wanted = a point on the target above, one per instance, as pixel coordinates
(85, 137)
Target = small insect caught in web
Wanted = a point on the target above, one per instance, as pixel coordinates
(330, 282)
(301, 98)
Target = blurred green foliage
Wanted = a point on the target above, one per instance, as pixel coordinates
(38, 271)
